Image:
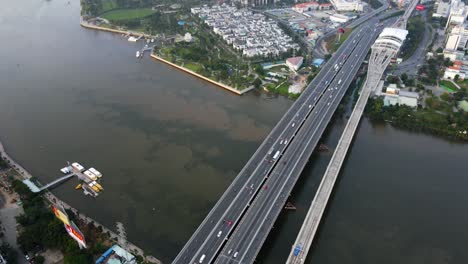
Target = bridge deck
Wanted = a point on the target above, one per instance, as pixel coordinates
(317, 208)
(378, 62)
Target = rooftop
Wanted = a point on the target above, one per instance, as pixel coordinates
(295, 60)
(394, 32)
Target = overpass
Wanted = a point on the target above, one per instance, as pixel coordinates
(251, 200)
(385, 47)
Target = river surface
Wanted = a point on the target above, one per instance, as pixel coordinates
(169, 144)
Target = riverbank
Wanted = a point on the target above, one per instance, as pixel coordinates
(241, 92)
(226, 87)
(431, 121)
(87, 25)
(51, 198)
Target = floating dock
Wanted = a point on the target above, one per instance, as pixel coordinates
(89, 180)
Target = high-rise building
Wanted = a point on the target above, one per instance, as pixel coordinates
(457, 38)
(458, 13)
(442, 9)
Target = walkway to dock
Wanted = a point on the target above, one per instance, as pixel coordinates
(314, 215)
(35, 189)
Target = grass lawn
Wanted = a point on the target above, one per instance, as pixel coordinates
(123, 14)
(463, 105)
(278, 69)
(283, 88)
(449, 86)
(193, 66)
(108, 5)
(463, 84)
(333, 44)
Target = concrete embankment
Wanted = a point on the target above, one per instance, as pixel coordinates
(241, 92)
(90, 26)
(54, 200)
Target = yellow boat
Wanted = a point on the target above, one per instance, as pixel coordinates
(99, 186)
(78, 187)
(95, 188)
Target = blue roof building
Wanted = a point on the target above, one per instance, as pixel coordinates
(318, 62)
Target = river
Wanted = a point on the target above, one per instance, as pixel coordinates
(169, 144)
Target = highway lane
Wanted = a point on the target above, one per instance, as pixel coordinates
(215, 217)
(212, 244)
(261, 210)
(242, 176)
(318, 50)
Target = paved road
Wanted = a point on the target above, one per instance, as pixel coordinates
(411, 65)
(319, 52)
(317, 208)
(247, 239)
(8, 217)
(234, 202)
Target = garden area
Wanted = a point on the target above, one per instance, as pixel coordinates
(208, 56)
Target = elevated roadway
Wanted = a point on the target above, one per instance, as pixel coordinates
(385, 47)
(249, 236)
(309, 228)
(210, 236)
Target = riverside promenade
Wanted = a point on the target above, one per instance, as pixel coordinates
(56, 201)
(87, 25)
(238, 92)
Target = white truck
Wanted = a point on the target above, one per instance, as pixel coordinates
(276, 154)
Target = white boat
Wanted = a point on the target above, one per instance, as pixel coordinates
(138, 54)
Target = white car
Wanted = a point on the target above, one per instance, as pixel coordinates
(219, 233)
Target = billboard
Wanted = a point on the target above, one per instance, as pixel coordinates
(76, 234)
(71, 228)
(61, 214)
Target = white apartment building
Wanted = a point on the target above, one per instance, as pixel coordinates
(347, 5)
(443, 9)
(458, 13)
(457, 38)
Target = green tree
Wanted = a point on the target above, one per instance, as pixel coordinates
(257, 82)
(445, 97)
(456, 77)
(404, 77)
(39, 259)
(259, 70)
(439, 50)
